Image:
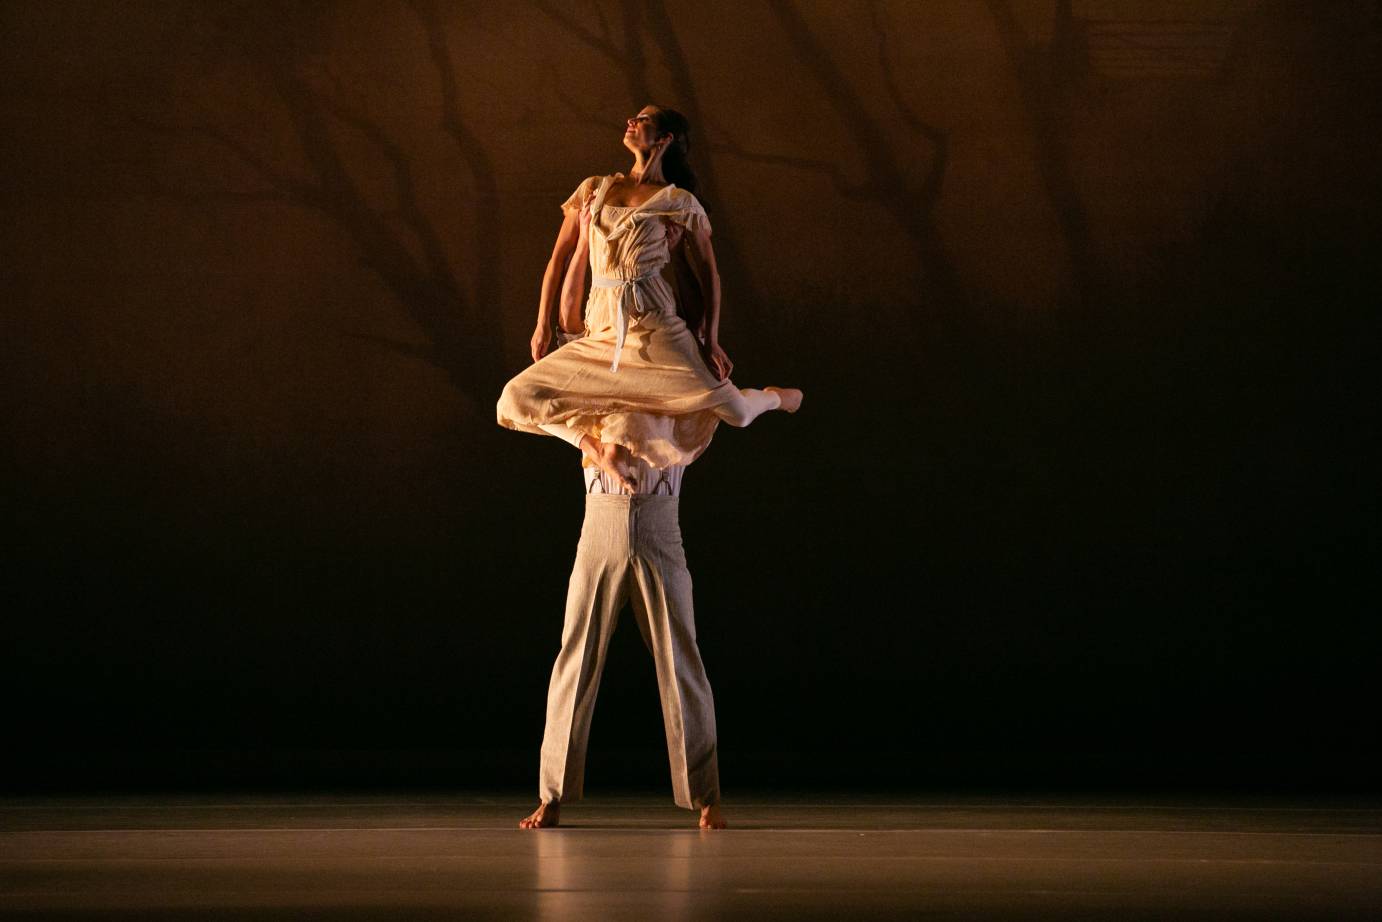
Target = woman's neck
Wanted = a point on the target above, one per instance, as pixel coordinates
(644, 172)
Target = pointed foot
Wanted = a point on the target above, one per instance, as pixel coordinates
(790, 397)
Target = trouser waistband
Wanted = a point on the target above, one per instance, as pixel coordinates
(636, 499)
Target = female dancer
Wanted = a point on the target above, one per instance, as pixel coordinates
(638, 384)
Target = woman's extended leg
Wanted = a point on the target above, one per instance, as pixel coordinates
(563, 432)
(752, 403)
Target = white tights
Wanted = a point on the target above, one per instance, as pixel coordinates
(563, 432)
(748, 406)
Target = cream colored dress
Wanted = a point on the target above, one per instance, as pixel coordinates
(636, 378)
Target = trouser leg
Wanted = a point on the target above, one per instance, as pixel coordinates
(662, 604)
(596, 592)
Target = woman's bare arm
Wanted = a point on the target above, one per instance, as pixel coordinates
(567, 239)
(709, 278)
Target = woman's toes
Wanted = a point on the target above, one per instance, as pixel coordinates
(789, 398)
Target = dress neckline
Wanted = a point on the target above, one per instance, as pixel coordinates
(647, 201)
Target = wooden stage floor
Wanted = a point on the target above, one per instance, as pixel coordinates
(640, 858)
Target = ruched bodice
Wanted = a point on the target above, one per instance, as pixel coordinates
(629, 260)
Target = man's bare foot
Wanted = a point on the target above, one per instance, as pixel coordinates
(790, 397)
(613, 459)
(711, 818)
(547, 814)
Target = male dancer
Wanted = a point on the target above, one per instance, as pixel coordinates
(630, 550)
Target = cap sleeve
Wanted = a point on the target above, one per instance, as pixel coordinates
(582, 195)
(690, 213)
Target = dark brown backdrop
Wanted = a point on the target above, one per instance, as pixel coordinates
(1082, 294)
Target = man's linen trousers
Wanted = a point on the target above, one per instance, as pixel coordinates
(630, 550)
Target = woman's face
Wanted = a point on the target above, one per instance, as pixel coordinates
(641, 132)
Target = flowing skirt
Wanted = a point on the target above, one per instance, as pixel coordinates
(662, 404)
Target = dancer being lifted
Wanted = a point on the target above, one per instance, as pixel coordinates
(638, 389)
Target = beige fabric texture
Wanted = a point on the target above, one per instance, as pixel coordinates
(630, 550)
(646, 478)
(663, 403)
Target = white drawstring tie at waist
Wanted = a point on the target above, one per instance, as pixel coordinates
(628, 302)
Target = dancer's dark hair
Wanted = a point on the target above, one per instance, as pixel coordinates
(675, 164)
